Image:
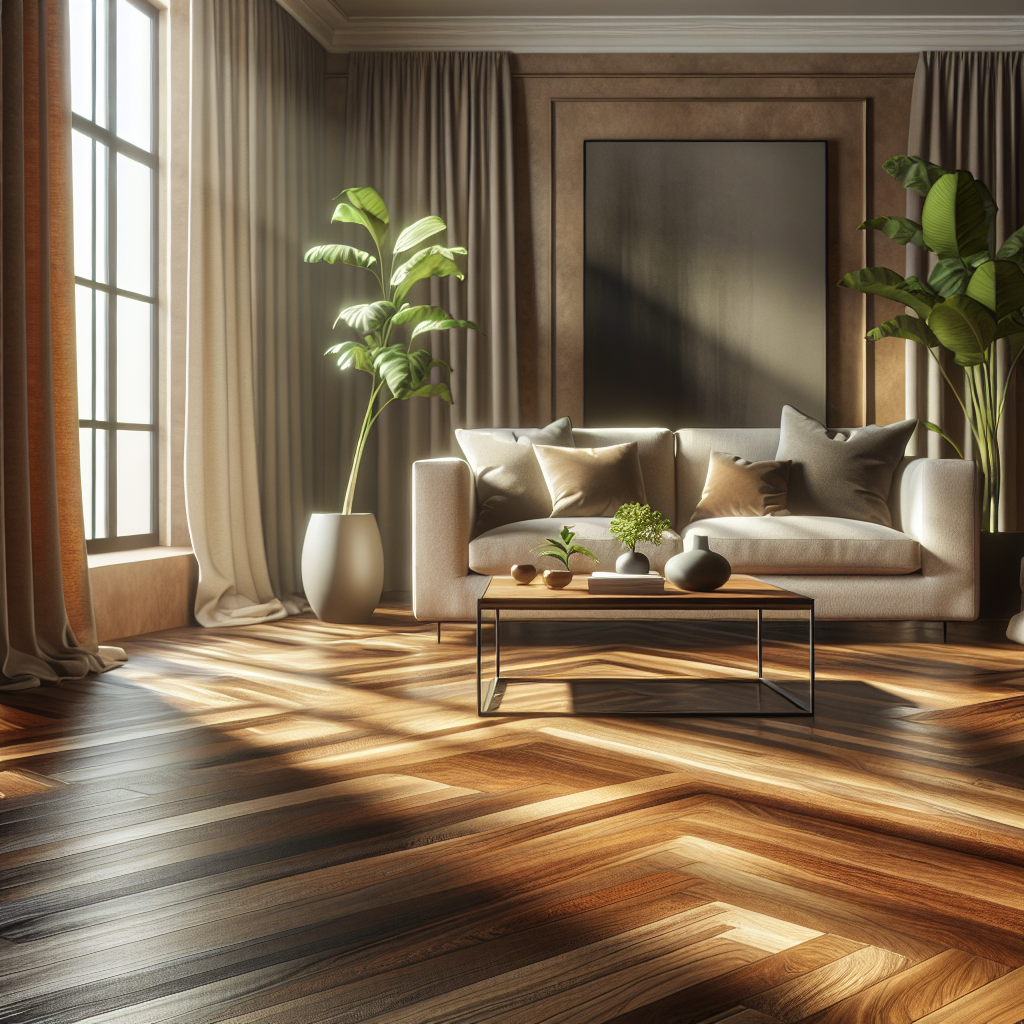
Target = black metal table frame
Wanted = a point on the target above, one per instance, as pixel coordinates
(484, 710)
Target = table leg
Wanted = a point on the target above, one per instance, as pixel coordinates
(760, 664)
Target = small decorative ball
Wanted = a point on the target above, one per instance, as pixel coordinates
(700, 569)
(556, 579)
(523, 573)
(634, 563)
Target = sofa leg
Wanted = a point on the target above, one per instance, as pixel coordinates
(439, 632)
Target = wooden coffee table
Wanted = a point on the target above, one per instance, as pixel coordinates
(745, 593)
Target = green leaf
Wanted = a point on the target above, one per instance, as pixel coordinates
(340, 254)
(904, 326)
(353, 354)
(416, 314)
(434, 261)
(407, 373)
(936, 429)
(439, 390)
(953, 219)
(965, 327)
(1016, 348)
(998, 285)
(346, 214)
(988, 205)
(416, 233)
(375, 213)
(1010, 324)
(899, 229)
(367, 317)
(914, 172)
(887, 283)
(950, 276)
(1013, 247)
(443, 325)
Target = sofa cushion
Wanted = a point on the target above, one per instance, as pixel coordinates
(736, 487)
(845, 472)
(496, 551)
(810, 546)
(591, 481)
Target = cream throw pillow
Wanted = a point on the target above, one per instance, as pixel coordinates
(592, 481)
(736, 487)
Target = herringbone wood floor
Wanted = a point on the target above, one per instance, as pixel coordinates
(300, 822)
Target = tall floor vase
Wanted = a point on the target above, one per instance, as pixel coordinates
(343, 566)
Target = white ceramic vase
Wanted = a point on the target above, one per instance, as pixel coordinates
(343, 566)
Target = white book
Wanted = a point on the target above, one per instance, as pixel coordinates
(627, 575)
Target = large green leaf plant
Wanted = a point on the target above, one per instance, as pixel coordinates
(397, 369)
(972, 298)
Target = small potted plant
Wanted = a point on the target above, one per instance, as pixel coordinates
(634, 524)
(562, 549)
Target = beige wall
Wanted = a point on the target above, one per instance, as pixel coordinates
(859, 103)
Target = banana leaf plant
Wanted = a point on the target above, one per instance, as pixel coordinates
(398, 371)
(972, 298)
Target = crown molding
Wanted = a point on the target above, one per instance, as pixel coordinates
(660, 34)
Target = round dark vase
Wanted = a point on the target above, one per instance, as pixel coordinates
(634, 563)
(699, 569)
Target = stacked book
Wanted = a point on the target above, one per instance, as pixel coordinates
(625, 583)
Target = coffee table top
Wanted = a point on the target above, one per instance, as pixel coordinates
(739, 591)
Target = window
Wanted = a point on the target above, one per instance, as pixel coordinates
(114, 159)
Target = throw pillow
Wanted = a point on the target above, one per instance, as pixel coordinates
(844, 473)
(736, 487)
(557, 433)
(509, 484)
(592, 481)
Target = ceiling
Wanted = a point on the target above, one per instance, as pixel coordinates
(640, 8)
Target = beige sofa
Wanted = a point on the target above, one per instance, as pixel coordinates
(925, 567)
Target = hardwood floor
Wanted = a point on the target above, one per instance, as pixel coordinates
(300, 822)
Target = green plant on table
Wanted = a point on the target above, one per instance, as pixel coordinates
(562, 547)
(972, 298)
(635, 523)
(405, 371)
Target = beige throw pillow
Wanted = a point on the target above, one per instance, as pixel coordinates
(846, 473)
(509, 484)
(591, 481)
(736, 487)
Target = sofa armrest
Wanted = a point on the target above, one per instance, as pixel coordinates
(939, 508)
(443, 589)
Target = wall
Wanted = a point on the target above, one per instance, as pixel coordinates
(859, 103)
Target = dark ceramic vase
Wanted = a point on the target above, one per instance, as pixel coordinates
(634, 563)
(699, 569)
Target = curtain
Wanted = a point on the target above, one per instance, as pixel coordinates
(966, 113)
(47, 631)
(257, 84)
(432, 133)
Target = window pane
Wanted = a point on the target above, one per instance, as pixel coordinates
(134, 226)
(134, 476)
(102, 227)
(134, 361)
(102, 524)
(82, 196)
(134, 75)
(81, 57)
(83, 336)
(85, 460)
(102, 336)
(102, 17)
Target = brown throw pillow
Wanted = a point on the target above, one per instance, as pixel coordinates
(846, 473)
(736, 487)
(591, 481)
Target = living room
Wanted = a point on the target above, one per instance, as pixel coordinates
(514, 511)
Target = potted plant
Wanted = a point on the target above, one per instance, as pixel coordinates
(562, 549)
(973, 297)
(634, 524)
(342, 556)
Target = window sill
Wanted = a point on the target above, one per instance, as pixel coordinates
(136, 555)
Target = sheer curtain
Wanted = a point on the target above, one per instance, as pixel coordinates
(432, 133)
(257, 81)
(47, 631)
(967, 112)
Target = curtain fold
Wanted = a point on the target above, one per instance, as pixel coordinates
(47, 630)
(432, 133)
(966, 113)
(257, 113)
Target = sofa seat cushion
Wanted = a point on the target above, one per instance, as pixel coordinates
(810, 546)
(496, 551)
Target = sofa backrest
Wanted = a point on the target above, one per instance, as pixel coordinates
(693, 455)
(655, 447)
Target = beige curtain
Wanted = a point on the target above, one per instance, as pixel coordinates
(47, 631)
(254, 332)
(967, 112)
(432, 133)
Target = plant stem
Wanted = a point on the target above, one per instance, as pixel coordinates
(357, 455)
